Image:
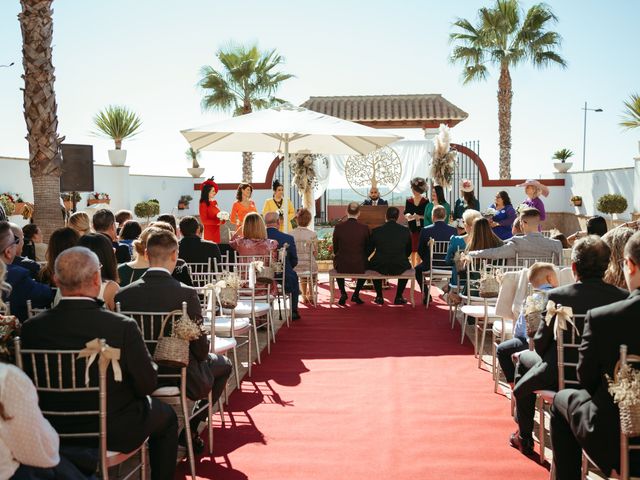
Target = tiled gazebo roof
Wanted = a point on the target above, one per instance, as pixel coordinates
(391, 111)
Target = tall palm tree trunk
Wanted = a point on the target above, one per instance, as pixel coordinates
(505, 97)
(40, 112)
(247, 167)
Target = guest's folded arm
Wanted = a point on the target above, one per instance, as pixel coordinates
(508, 250)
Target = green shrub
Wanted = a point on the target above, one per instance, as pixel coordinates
(147, 209)
(612, 203)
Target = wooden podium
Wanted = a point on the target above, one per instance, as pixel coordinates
(372, 216)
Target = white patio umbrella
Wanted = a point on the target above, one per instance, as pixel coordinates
(288, 128)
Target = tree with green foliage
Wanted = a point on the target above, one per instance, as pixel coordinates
(505, 37)
(248, 81)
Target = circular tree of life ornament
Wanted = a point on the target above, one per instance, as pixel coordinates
(380, 168)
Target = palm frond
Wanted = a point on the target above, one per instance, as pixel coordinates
(546, 58)
(474, 73)
(467, 55)
(117, 122)
(631, 113)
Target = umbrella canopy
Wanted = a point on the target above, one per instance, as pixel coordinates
(288, 128)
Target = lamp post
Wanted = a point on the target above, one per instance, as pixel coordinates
(584, 132)
(7, 66)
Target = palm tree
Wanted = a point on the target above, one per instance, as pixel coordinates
(504, 39)
(631, 114)
(247, 81)
(40, 112)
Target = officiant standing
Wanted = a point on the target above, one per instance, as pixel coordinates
(275, 204)
(374, 198)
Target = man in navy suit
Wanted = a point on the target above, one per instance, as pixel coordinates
(291, 285)
(374, 198)
(440, 232)
(23, 287)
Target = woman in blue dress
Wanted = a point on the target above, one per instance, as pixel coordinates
(504, 217)
(459, 242)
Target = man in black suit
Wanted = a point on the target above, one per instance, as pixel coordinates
(392, 244)
(104, 222)
(538, 370)
(588, 419)
(19, 260)
(78, 319)
(374, 198)
(194, 249)
(440, 231)
(158, 291)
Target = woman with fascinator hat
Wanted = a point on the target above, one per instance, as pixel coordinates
(466, 201)
(276, 204)
(533, 189)
(209, 211)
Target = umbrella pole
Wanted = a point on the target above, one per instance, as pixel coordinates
(287, 186)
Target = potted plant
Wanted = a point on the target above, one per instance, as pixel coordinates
(325, 254)
(69, 199)
(118, 123)
(147, 209)
(612, 203)
(183, 202)
(8, 204)
(98, 197)
(563, 155)
(195, 170)
(16, 199)
(576, 200)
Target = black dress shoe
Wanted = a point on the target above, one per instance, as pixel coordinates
(343, 299)
(525, 446)
(356, 299)
(295, 315)
(379, 300)
(399, 301)
(197, 442)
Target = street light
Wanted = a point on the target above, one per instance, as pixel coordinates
(7, 66)
(584, 131)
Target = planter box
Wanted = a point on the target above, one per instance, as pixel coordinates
(19, 208)
(324, 265)
(93, 201)
(183, 206)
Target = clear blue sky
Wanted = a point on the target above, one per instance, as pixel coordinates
(147, 54)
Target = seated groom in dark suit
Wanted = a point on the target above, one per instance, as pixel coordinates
(80, 318)
(194, 249)
(158, 291)
(23, 286)
(440, 232)
(291, 284)
(538, 369)
(374, 198)
(351, 250)
(588, 418)
(392, 245)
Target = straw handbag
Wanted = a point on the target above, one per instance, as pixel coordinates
(489, 285)
(265, 274)
(171, 351)
(228, 297)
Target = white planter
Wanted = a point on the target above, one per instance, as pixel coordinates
(563, 167)
(117, 157)
(195, 172)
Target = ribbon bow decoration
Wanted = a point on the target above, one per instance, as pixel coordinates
(563, 317)
(98, 348)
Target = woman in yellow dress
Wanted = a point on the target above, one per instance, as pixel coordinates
(275, 204)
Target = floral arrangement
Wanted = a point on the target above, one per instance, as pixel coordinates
(576, 198)
(325, 249)
(229, 280)
(9, 329)
(443, 158)
(625, 389)
(187, 329)
(533, 307)
(489, 213)
(14, 197)
(305, 177)
(100, 196)
(8, 204)
(224, 216)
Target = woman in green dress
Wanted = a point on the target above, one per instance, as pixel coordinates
(437, 198)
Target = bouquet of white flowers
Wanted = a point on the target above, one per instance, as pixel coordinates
(489, 213)
(625, 390)
(224, 216)
(533, 308)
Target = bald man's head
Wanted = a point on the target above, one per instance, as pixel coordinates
(272, 219)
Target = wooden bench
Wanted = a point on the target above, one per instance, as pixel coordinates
(372, 275)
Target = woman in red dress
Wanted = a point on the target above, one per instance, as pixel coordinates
(209, 211)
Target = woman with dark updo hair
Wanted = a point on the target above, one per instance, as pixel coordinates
(209, 210)
(275, 204)
(413, 212)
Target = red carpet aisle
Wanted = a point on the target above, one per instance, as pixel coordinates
(367, 392)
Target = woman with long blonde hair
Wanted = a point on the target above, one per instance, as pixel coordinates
(616, 239)
(80, 222)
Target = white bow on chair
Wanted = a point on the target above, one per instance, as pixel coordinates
(107, 355)
(563, 316)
